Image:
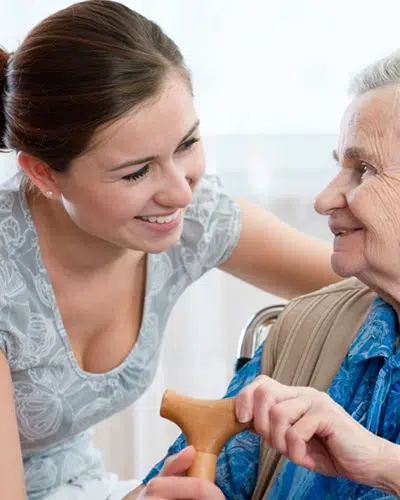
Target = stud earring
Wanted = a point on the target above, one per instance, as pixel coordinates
(49, 194)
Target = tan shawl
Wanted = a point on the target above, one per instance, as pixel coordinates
(306, 347)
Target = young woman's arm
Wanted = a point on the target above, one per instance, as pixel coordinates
(12, 484)
(277, 258)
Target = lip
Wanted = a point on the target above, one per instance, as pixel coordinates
(163, 228)
(338, 230)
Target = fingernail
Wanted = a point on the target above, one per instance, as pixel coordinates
(243, 416)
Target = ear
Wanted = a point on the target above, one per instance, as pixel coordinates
(40, 174)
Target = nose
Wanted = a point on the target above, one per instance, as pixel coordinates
(332, 197)
(176, 190)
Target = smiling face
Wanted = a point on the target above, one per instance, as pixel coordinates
(132, 186)
(363, 200)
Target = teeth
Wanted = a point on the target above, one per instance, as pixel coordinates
(162, 220)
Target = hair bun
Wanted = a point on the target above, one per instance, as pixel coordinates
(4, 60)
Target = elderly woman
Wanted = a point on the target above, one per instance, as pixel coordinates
(327, 418)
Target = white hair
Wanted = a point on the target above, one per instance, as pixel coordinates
(381, 73)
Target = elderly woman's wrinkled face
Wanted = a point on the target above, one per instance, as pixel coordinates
(363, 200)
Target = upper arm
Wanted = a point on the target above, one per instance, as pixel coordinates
(12, 483)
(276, 257)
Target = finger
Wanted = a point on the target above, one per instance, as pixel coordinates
(178, 464)
(182, 487)
(281, 418)
(298, 438)
(266, 388)
(262, 402)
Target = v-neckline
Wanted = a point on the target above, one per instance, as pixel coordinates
(61, 330)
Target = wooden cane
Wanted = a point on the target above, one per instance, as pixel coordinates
(206, 424)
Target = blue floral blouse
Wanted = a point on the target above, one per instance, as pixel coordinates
(367, 386)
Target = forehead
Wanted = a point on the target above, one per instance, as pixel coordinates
(155, 124)
(372, 120)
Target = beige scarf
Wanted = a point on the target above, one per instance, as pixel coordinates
(306, 346)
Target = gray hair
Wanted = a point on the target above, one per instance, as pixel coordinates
(383, 72)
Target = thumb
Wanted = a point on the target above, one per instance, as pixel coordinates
(179, 463)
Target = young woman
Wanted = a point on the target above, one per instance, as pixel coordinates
(110, 218)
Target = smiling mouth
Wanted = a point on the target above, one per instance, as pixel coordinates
(161, 219)
(346, 232)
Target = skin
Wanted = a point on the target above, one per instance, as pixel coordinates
(362, 203)
(365, 193)
(93, 209)
(309, 428)
(94, 245)
(97, 203)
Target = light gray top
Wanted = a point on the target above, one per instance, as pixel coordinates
(56, 401)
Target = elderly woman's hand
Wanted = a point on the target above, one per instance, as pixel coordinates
(309, 428)
(170, 485)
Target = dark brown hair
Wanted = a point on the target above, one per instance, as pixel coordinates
(80, 68)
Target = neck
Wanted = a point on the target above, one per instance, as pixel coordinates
(73, 248)
(386, 287)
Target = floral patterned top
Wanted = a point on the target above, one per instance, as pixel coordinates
(56, 401)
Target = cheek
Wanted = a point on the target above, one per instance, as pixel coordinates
(196, 163)
(366, 203)
(109, 203)
(125, 202)
(375, 206)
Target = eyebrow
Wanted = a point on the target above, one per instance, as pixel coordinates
(148, 159)
(356, 153)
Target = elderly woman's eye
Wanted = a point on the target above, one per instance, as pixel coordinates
(366, 169)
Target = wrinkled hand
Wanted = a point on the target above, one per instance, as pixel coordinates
(313, 431)
(170, 485)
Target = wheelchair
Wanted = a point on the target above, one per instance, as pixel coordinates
(255, 332)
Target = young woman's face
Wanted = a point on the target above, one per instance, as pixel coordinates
(132, 188)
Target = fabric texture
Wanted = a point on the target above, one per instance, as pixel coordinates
(367, 386)
(56, 401)
(306, 346)
(106, 488)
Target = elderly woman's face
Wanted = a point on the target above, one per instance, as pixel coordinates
(363, 200)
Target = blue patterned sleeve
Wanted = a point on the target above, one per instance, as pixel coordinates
(238, 462)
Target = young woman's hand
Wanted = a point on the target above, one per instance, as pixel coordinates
(171, 485)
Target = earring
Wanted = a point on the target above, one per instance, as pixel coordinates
(49, 194)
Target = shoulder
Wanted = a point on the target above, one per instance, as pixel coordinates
(337, 310)
(338, 297)
(13, 289)
(12, 214)
(212, 225)
(348, 286)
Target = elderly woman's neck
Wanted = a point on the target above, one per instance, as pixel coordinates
(390, 293)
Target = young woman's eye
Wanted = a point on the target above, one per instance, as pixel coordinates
(188, 144)
(137, 175)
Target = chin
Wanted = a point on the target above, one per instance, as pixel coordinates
(158, 245)
(344, 266)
